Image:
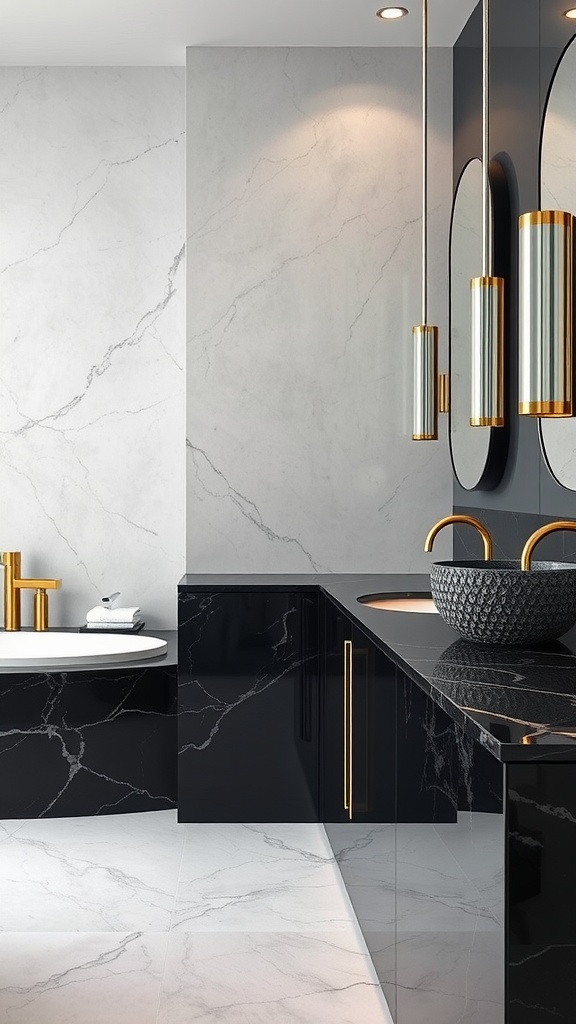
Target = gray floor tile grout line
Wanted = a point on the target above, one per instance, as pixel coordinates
(460, 866)
(171, 922)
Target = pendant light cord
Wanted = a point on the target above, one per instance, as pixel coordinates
(424, 161)
(486, 223)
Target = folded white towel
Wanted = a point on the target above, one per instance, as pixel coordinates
(100, 614)
(103, 626)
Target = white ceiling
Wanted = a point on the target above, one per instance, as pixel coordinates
(144, 32)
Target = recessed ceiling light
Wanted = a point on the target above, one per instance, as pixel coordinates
(571, 13)
(391, 13)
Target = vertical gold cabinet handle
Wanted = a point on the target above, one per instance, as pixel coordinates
(348, 685)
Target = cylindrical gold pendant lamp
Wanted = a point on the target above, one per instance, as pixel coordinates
(487, 347)
(487, 306)
(425, 337)
(425, 426)
(545, 313)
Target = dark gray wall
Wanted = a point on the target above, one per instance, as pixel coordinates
(527, 41)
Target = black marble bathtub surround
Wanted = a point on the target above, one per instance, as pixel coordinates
(100, 741)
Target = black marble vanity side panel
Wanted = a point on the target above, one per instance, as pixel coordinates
(450, 880)
(541, 911)
(248, 706)
(426, 757)
(85, 743)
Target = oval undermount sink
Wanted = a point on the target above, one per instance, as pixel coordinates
(59, 650)
(407, 601)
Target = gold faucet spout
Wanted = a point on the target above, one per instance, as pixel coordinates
(40, 584)
(527, 551)
(469, 521)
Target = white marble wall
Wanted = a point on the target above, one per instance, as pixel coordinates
(303, 225)
(92, 333)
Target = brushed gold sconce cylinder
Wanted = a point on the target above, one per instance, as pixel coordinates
(425, 390)
(443, 393)
(487, 352)
(545, 313)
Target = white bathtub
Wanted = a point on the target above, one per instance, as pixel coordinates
(59, 650)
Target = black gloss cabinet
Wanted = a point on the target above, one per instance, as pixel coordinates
(248, 706)
(288, 711)
(418, 840)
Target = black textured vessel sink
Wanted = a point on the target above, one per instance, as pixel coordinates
(496, 602)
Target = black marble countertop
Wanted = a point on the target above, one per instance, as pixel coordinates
(165, 660)
(520, 703)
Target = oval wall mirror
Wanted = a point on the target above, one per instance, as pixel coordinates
(558, 192)
(470, 446)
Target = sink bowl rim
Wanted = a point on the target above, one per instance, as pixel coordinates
(392, 594)
(509, 566)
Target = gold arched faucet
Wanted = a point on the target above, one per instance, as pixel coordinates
(526, 559)
(469, 521)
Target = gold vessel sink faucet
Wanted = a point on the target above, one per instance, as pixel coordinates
(469, 521)
(526, 558)
(14, 584)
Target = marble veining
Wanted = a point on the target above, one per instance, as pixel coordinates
(240, 885)
(302, 270)
(519, 703)
(92, 927)
(92, 380)
(202, 709)
(87, 742)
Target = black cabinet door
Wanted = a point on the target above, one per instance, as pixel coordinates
(359, 685)
(358, 725)
(248, 707)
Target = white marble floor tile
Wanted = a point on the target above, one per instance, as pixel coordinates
(81, 979)
(262, 978)
(109, 873)
(366, 854)
(433, 893)
(477, 841)
(455, 978)
(8, 828)
(258, 878)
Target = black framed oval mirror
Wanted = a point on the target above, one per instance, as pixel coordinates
(558, 192)
(478, 453)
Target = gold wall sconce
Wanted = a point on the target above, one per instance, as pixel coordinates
(545, 313)
(443, 393)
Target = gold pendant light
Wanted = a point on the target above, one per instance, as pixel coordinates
(425, 336)
(487, 339)
(545, 313)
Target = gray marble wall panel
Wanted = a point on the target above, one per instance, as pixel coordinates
(92, 333)
(303, 225)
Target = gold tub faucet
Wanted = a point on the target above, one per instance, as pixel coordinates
(526, 558)
(461, 519)
(14, 584)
